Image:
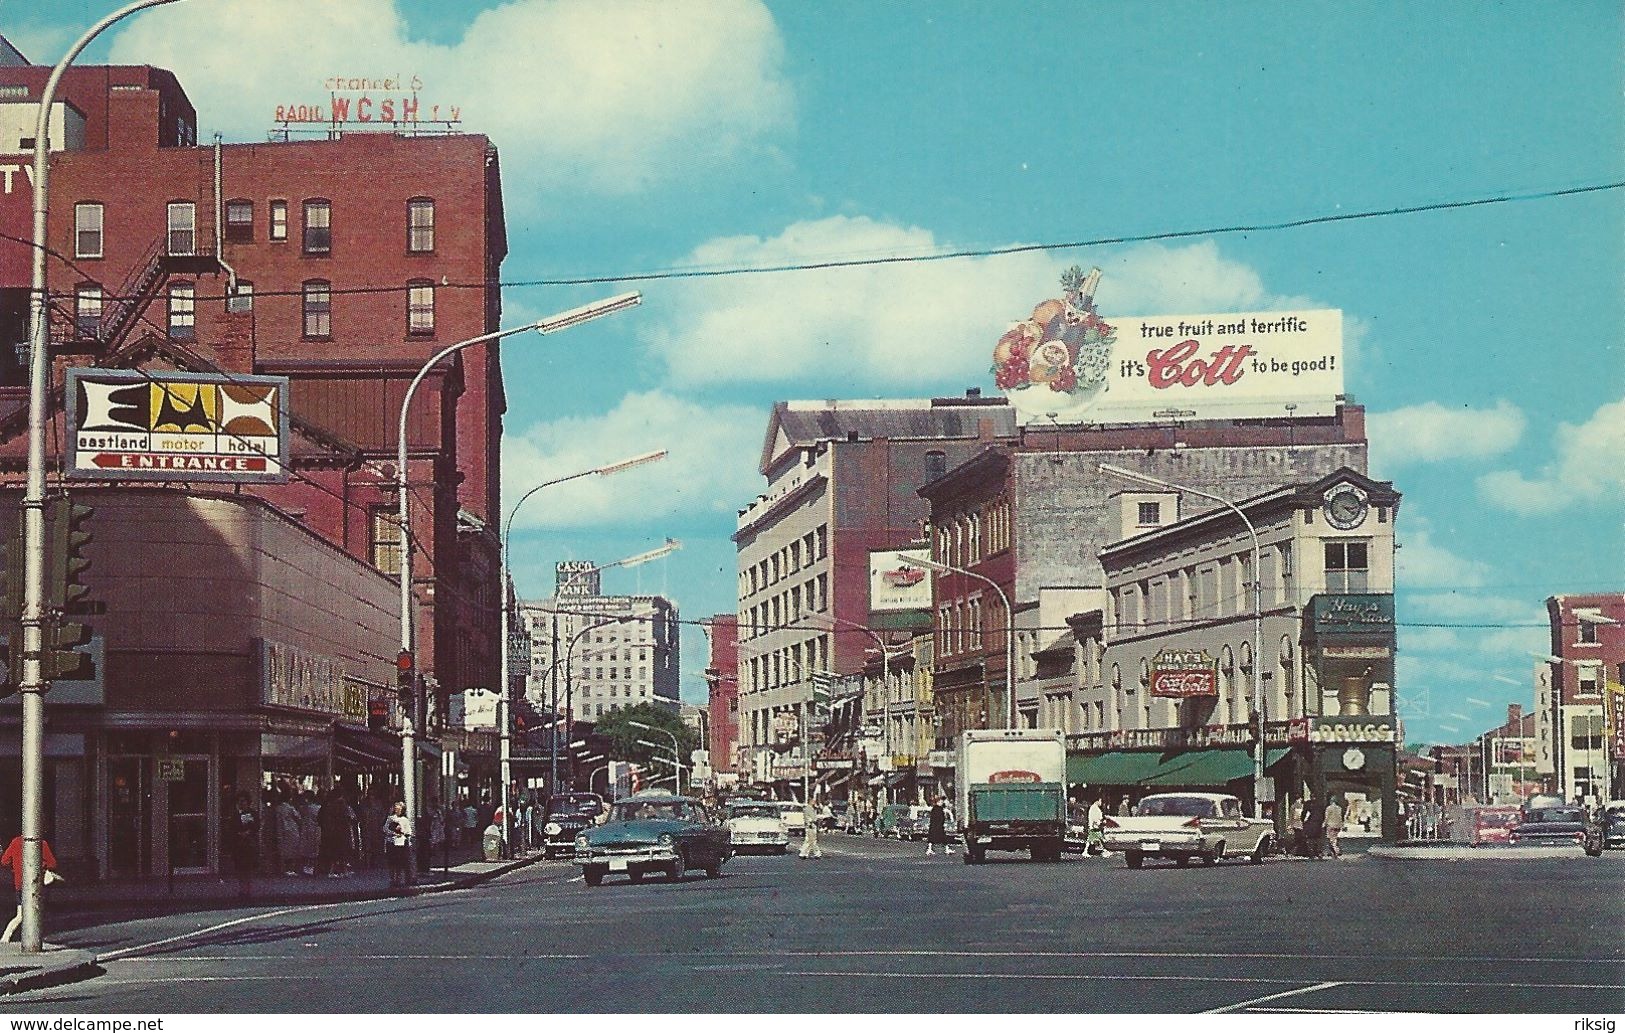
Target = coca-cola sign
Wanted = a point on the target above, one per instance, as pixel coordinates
(1183, 673)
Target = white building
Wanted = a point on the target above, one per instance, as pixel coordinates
(622, 650)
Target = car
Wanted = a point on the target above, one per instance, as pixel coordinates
(1564, 826)
(1612, 820)
(1188, 826)
(886, 821)
(653, 832)
(1492, 825)
(566, 815)
(757, 825)
(793, 815)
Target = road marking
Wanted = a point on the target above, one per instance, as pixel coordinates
(1260, 956)
(1272, 997)
(232, 958)
(115, 955)
(1113, 976)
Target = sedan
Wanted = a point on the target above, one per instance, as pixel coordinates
(757, 826)
(1557, 827)
(653, 833)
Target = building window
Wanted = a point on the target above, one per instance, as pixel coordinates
(1150, 514)
(182, 311)
(87, 311)
(277, 228)
(1588, 633)
(1588, 679)
(936, 464)
(420, 225)
(1346, 566)
(318, 309)
(420, 308)
(239, 222)
(87, 230)
(318, 227)
(182, 228)
(243, 299)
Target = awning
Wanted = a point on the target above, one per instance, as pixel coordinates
(834, 777)
(1117, 768)
(364, 751)
(1202, 768)
(877, 780)
(1275, 756)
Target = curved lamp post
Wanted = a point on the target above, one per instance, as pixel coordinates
(1009, 633)
(33, 682)
(676, 756)
(406, 661)
(1259, 694)
(503, 579)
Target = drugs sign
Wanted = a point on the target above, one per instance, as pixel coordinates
(135, 425)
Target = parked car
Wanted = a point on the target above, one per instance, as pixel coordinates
(653, 832)
(1565, 826)
(1612, 821)
(1493, 825)
(757, 825)
(1209, 826)
(793, 815)
(566, 815)
(886, 821)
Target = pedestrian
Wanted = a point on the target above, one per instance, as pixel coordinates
(1314, 827)
(809, 842)
(936, 833)
(335, 821)
(288, 842)
(370, 819)
(471, 822)
(1334, 826)
(1095, 844)
(397, 844)
(310, 832)
(243, 842)
(13, 859)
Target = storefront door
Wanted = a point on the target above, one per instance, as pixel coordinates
(129, 816)
(188, 781)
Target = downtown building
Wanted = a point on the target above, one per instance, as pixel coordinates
(1580, 698)
(251, 630)
(722, 692)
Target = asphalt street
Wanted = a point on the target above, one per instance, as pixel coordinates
(877, 926)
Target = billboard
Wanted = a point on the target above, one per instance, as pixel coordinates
(576, 579)
(898, 581)
(1181, 673)
(1068, 364)
(165, 426)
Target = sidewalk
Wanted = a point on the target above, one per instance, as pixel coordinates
(54, 965)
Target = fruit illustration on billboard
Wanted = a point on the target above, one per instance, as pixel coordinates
(1057, 360)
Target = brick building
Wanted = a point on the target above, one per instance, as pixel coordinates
(341, 263)
(722, 681)
(1580, 697)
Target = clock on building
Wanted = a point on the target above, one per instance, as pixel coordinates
(1353, 759)
(1345, 507)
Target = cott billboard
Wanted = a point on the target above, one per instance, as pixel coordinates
(1068, 363)
(897, 580)
(134, 425)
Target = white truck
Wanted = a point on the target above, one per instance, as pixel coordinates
(1183, 826)
(1012, 791)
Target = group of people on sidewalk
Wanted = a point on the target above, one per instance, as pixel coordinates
(295, 834)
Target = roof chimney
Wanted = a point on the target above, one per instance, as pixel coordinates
(1515, 716)
(973, 392)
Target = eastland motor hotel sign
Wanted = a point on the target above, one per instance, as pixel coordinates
(1068, 363)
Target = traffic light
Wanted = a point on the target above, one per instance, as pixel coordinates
(67, 532)
(405, 679)
(62, 659)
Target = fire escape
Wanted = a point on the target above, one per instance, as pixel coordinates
(101, 328)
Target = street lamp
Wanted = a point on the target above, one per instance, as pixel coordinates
(677, 765)
(1259, 693)
(33, 683)
(1009, 632)
(550, 324)
(674, 749)
(503, 579)
(885, 688)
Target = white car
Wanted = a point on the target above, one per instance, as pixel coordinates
(794, 818)
(1187, 826)
(757, 826)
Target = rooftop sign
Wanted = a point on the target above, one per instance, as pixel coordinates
(361, 100)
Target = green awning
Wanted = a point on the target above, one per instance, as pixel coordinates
(1117, 768)
(1274, 756)
(1202, 768)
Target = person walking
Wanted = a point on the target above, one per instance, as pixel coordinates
(310, 832)
(1095, 843)
(809, 842)
(243, 842)
(397, 845)
(288, 842)
(1314, 827)
(334, 820)
(13, 859)
(936, 832)
(1334, 826)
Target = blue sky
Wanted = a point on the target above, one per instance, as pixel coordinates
(1485, 342)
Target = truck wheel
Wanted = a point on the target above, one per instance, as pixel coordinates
(593, 875)
(1261, 850)
(1133, 858)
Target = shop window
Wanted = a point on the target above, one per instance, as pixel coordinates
(277, 226)
(87, 311)
(1346, 566)
(318, 310)
(420, 308)
(239, 222)
(318, 227)
(87, 230)
(182, 311)
(182, 225)
(420, 225)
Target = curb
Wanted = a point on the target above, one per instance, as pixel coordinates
(1467, 853)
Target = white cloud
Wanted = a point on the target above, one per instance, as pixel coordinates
(711, 468)
(1431, 432)
(908, 322)
(1584, 469)
(607, 95)
(1421, 562)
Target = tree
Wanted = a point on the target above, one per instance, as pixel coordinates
(616, 726)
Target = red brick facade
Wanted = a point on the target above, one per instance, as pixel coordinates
(722, 676)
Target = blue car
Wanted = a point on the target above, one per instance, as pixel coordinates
(651, 833)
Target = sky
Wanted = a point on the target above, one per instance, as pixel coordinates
(1484, 341)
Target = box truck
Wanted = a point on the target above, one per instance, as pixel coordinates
(1012, 791)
